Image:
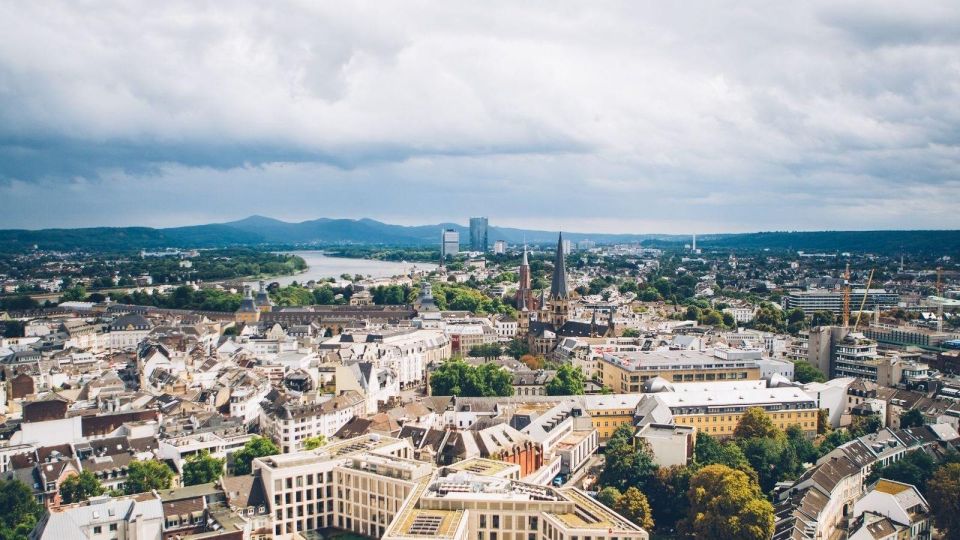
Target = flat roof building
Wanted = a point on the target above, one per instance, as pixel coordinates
(369, 486)
(815, 300)
(626, 372)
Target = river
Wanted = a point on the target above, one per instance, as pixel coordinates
(320, 266)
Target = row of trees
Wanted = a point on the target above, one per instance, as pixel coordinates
(461, 297)
(705, 500)
(457, 378)
(721, 493)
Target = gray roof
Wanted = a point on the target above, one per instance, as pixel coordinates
(71, 521)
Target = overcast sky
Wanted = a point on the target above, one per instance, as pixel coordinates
(640, 117)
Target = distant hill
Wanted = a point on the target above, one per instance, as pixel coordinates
(260, 230)
(880, 242)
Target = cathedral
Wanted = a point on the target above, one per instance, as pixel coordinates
(548, 321)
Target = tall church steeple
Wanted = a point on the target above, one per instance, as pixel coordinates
(558, 285)
(558, 307)
(524, 297)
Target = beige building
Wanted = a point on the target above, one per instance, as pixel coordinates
(626, 372)
(369, 485)
(715, 408)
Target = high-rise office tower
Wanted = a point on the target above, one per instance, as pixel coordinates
(478, 234)
(449, 243)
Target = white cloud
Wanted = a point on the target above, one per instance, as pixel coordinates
(661, 117)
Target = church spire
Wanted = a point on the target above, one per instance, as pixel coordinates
(558, 285)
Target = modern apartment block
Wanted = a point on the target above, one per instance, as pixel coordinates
(815, 300)
(369, 486)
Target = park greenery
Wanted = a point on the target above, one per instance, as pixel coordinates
(457, 378)
(741, 470)
(462, 297)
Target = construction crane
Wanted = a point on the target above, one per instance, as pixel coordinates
(939, 299)
(846, 297)
(863, 302)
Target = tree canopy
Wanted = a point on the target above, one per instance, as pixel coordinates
(805, 372)
(21, 511)
(725, 504)
(626, 465)
(202, 468)
(146, 476)
(80, 487)
(634, 506)
(255, 447)
(568, 382)
(754, 423)
(912, 418)
(457, 378)
(944, 488)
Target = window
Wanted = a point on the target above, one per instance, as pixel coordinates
(97, 529)
(113, 526)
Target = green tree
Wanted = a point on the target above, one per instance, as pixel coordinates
(832, 440)
(796, 320)
(631, 332)
(804, 448)
(18, 303)
(202, 468)
(769, 318)
(255, 447)
(609, 496)
(912, 418)
(805, 372)
(80, 487)
(312, 443)
(754, 423)
(865, 425)
(944, 489)
(626, 465)
(486, 350)
(725, 504)
(772, 458)
(21, 511)
(568, 382)
(517, 348)
(634, 506)
(915, 468)
(147, 475)
(667, 493)
(822, 318)
(76, 293)
(709, 451)
(457, 378)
